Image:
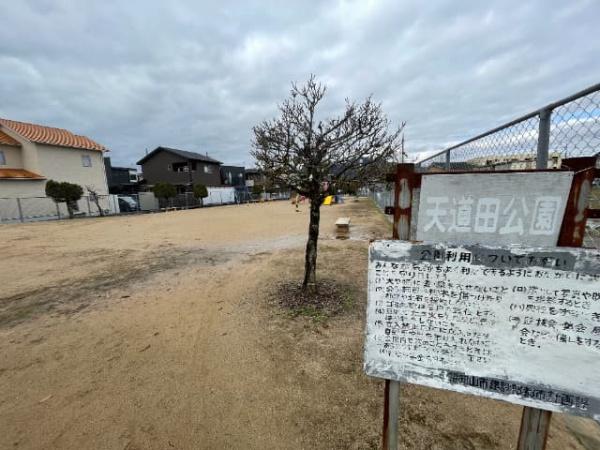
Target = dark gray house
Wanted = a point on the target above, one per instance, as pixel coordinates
(233, 176)
(254, 177)
(180, 168)
(120, 180)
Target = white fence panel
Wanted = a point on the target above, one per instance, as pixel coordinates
(9, 210)
(38, 208)
(113, 204)
(220, 195)
(148, 202)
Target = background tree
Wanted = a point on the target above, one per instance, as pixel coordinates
(62, 191)
(164, 191)
(312, 156)
(258, 189)
(95, 198)
(200, 192)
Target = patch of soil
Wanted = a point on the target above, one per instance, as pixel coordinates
(78, 293)
(325, 299)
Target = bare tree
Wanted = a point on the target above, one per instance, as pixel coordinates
(93, 196)
(312, 155)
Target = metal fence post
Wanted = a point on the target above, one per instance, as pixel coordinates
(572, 231)
(20, 210)
(543, 139)
(447, 159)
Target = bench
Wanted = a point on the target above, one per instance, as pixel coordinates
(342, 228)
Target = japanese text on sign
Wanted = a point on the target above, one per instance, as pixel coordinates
(521, 325)
(496, 209)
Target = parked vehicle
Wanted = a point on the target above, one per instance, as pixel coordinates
(127, 204)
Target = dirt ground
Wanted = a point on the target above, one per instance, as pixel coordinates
(160, 332)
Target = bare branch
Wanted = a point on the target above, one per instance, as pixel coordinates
(295, 151)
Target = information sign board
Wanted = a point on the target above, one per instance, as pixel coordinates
(517, 324)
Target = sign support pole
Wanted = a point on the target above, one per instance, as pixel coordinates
(535, 423)
(404, 184)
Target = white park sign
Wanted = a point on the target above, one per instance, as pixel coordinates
(518, 324)
(497, 208)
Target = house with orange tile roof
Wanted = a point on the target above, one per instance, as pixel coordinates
(31, 154)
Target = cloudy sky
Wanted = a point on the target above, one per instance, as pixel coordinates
(198, 75)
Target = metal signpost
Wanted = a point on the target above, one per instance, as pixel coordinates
(428, 323)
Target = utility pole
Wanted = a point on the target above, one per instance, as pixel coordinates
(402, 150)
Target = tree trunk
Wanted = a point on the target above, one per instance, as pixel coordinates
(100, 210)
(97, 202)
(70, 210)
(310, 265)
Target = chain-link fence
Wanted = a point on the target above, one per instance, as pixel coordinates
(542, 139)
(382, 195)
(32, 209)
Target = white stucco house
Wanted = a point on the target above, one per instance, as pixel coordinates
(32, 154)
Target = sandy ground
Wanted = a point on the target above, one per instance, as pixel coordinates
(158, 332)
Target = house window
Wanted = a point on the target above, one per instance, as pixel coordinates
(2, 158)
(86, 160)
(181, 167)
(208, 169)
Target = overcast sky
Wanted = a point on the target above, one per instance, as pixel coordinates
(197, 75)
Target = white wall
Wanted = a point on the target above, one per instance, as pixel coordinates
(22, 188)
(13, 157)
(64, 164)
(28, 150)
(55, 163)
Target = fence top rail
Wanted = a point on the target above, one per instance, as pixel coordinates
(548, 107)
(50, 198)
